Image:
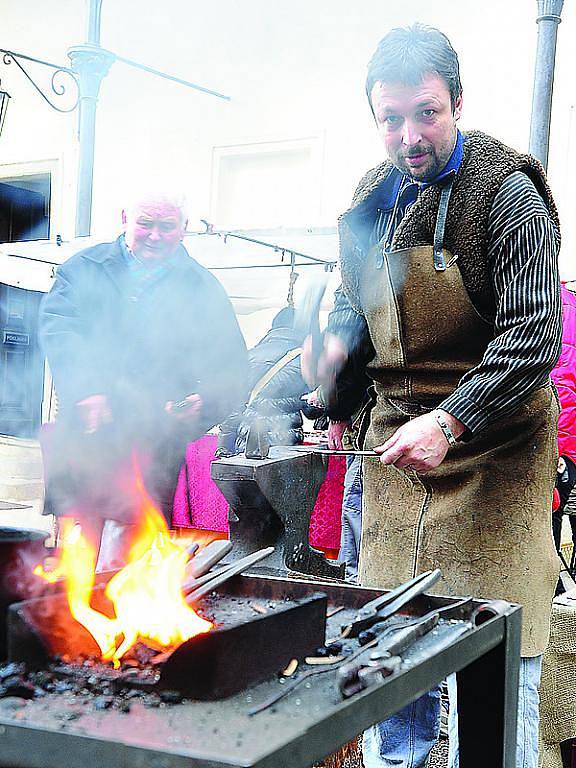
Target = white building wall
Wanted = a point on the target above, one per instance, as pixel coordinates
(295, 72)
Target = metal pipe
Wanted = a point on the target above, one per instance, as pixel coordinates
(548, 20)
(86, 138)
(93, 29)
(90, 63)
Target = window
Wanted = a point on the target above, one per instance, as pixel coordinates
(266, 185)
(25, 207)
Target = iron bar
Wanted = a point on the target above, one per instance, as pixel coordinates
(278, 248)
(173, 78)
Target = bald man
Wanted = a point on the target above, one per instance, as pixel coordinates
(146, 355)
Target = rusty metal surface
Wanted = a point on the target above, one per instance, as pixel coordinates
(271, 502)
(307, 725)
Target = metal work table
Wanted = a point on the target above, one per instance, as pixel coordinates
(307, 725)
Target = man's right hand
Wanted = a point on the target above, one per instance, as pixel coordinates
(322, 372)
(94, 412)
(336, 431)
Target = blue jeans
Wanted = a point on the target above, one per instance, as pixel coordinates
(351, 517)
(405, 739)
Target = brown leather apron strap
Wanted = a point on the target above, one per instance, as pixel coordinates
(438, 254)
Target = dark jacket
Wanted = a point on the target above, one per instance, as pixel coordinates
(178, 336)
(279, 402)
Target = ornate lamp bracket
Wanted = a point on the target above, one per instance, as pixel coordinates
(90, 64)
(58, 81)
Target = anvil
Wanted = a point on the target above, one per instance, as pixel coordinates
(271, 502)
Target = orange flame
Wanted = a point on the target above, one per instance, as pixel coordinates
(146, 593)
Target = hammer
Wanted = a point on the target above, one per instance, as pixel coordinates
(307, 323)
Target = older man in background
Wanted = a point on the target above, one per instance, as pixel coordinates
(146, 355)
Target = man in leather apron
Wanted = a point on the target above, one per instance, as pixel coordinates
(448, 257)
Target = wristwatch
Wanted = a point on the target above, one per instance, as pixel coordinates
(443, 424)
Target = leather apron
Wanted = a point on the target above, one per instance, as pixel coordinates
(484, 515)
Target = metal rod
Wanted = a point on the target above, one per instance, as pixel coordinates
(548, 20)
(15, 55)
(166, 76)
(235, 569)
(326, 264)
(211, 269)
(333, 452)
(277, 248)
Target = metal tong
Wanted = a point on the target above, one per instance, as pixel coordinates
(384, 606)
(381, 628)
(386, 659)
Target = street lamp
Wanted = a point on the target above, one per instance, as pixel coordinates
(4, 99)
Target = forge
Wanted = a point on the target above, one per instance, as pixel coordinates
(257, 631)
(271, 502)
(58, 723)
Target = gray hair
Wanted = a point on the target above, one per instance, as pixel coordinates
(156, 194)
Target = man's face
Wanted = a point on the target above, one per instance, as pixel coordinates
(153, 230)
(417, 124)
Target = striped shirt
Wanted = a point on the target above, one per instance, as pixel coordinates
(523, 245)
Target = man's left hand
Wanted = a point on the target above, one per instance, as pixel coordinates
(419, 444)
(187, 412)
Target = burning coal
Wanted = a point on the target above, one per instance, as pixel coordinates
(146, 594)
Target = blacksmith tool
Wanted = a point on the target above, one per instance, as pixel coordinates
(208, 557)
(323, 451)
(190, 586)
(192, 548)
(452, 611)
(489, 610)
(385, 660)
(386, 605)
(307, 316)
(236, 568)
(307, 323)
(306, 676)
